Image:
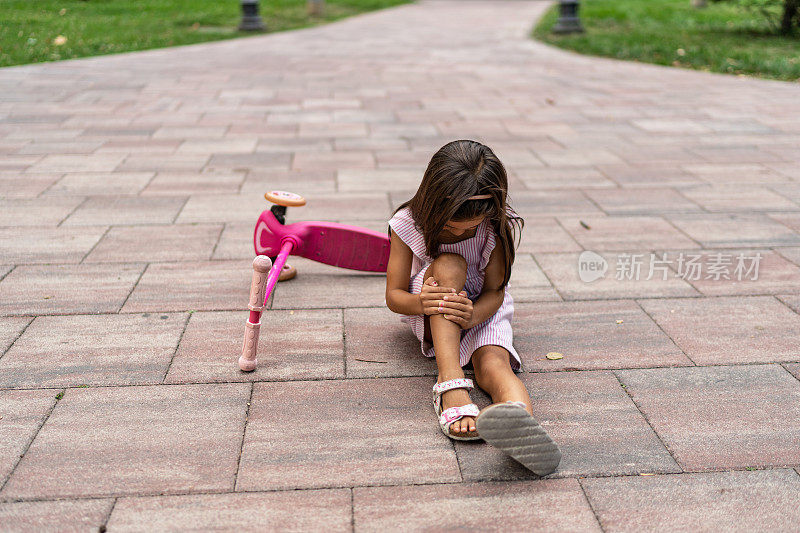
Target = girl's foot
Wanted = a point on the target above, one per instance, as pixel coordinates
(464, 427)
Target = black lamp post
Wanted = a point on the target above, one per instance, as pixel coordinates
(568, 21)
(251, 20)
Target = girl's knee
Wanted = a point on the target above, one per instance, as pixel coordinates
(449, 267)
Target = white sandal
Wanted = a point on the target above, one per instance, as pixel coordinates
(450, 415)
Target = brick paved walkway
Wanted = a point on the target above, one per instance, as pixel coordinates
(130, 185)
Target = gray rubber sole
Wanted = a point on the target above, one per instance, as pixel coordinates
(511, 429)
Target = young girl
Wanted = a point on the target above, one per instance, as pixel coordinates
(449, 266)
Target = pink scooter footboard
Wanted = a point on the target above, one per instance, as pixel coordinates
(330, 243)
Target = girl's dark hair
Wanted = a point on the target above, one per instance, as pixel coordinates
(458, 170)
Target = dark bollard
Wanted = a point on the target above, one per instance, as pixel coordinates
(568, 21)
(251, 20)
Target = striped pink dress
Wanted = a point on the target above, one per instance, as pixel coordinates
(476, 250)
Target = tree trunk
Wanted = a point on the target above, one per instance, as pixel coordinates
(790, 9)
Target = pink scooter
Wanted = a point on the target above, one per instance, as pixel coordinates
(331, 243)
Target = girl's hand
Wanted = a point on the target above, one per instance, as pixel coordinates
(458, 309)
(431, 296)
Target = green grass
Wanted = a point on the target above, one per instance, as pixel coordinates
(29, 28)
(719, 38)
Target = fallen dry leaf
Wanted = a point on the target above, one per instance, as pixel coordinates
(554, 355)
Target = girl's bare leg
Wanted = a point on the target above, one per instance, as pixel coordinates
(494, 375)
(449, 270)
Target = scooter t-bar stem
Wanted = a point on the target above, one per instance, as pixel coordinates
(286, 249)
(260, 290)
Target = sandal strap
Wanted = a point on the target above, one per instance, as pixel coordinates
(459, 383)
(452, 414)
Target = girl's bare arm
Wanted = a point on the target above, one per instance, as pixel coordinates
(398, 272)
(491, 297)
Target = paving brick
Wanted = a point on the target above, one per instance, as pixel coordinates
(788, 169)
(657, 176)
(144, 440)
(163, 162)
(794, 368)
(738, 197)
(353, 206)
(100, 183)
(714, 501)
(564, 177)
(187, 183)
(726, 173)
(721, 417)
(92, 350)
(528, 283)
(217, 146)
(378, 344)
(589, 336)
(791, 220)
(333, 160)
(738, 154)
(180, 242)
(21, 415)
(235, 242)
(665, 153)
(619, 281)
(15, 184)
(208, 208)
(10, 329)
(789, 190)
(281, 449)
(19, 163)
(27, 244)
(77, 163)
(36, 211)
(326, 509)
(545, 235)
(571, 157)
(676, 125)
(734, 271)
(108, 210)
(724, 330)
(302, 344)
(590, 417)
(194, 132)
(56, 289)
(643, 201)
(734, 230)
(403, 159)
(352, 180)
(548, 505)
(368, 143)
(132, 146)
(192, 286)
(321, 286)
(792, 301)
(61, 515)
(635, 233)
(551, 203)
(299, 182)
